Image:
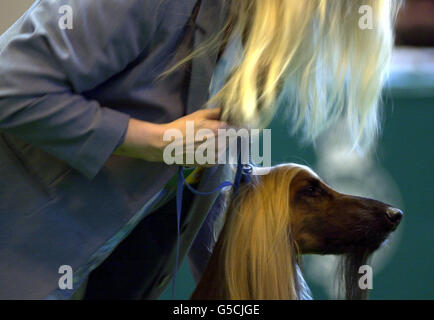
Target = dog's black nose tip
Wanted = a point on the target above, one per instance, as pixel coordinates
(394, 214)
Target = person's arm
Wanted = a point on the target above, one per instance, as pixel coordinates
(144, 140)
(44, 69)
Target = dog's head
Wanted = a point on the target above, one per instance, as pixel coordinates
(283, 213)
(325, 221)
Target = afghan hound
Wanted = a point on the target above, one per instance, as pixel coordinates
(275, 218)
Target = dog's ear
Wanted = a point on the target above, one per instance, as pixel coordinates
(256, 256)
(257, 235)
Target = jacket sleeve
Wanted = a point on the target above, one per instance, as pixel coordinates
(45, 68)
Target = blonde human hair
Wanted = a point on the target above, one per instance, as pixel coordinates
(309, 57)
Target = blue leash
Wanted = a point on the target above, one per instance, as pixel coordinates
(241, 169)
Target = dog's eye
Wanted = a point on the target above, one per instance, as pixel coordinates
(311, 190)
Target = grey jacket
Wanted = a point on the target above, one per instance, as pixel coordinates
(66, 96)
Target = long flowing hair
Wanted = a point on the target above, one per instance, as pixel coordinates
(258, 233)
(311, 58)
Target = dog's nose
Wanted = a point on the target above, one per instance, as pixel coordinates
(394, 214)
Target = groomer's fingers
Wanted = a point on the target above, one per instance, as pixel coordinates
(212, 113)
(213, 125)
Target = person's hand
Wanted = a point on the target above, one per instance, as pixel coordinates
(148, 141)
(198, 130)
